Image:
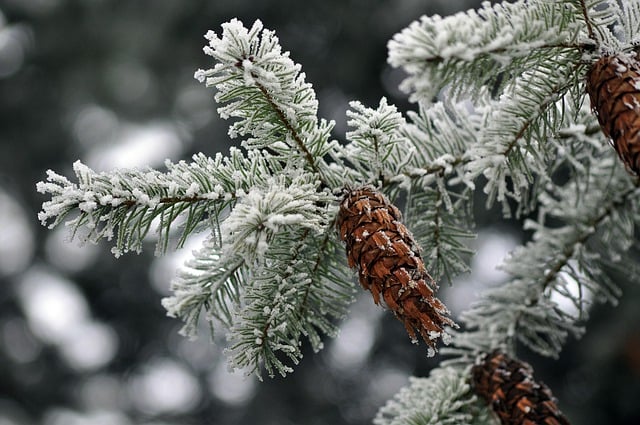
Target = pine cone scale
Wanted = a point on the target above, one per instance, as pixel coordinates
(509, 388)
(613, 85)
(389, 263)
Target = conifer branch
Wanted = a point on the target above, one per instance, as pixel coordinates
(289, 126)
(592, 205)
(377, 149)
(421, 402)
(272, 270)
(471, 50)
(128, 204)
(265, 90)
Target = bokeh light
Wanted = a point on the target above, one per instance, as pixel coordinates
(16, 236)
(164, 386)
(58, 314)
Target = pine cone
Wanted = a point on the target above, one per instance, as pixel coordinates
(613, 84)
(389, 263)
(509, 388)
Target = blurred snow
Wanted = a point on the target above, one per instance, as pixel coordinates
(53, 305)
(15, 41)
(571, 289)
(35, 7)
(353, 345)
(491, 247)
(385, 383)
(231, 387)
(16, 237)
(138, 146)
(11, 413)
(58, 313)
(93, 125)
(18, 343)
(63, 416)
(90, 346)
(129, 81)
(102, 392)
(110, 142)
(195, 107)
(351, 349)
(164, 268)
(164, 386)
(67, 255)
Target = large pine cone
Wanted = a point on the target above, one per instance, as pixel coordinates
(508, 387)
(613, 84)
(389, 263)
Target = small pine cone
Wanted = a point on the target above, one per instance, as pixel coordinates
(509, 388)
(613, 84)
(389, 263)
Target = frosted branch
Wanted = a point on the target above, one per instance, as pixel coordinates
(471, 49)
(267, 93)
(444, 398)
(128, 204)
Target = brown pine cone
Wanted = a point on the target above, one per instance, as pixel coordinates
(613, 84)
(389, 263)
(508, 387)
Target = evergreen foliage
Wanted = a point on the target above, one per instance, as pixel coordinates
(500, 107)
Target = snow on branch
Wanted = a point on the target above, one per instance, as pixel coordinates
(270, 275)
(564, 261)
(512, 148)
(209, 284)
(377, 149)
(272, 270)
(473, 49)
(128, 204)
(440, 220)
(261, 87)
(260, 215)
(628, 25)
(444, 398)
(299, 290)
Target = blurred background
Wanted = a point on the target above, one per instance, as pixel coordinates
(83, 337)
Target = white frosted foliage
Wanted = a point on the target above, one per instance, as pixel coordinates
(264, 211)
(500, 108)
(423, 402)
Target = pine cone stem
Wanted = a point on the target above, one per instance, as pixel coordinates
(389, 264)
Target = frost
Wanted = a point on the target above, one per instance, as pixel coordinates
(501, 32)
(192, 190)
(272, 251)
(264, 211)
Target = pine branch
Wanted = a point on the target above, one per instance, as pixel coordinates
(440, 220)
(445, 397)
(512, 146)
(440, 134)
(599, 17)
(208, 282)
(297, 291)
(471, 50)
(271, 269)
(628, 28)
(127, 204)
(272, 279)
(265, 90)
(597, 203)
(377, 149)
